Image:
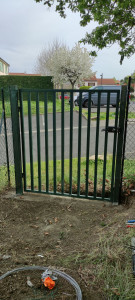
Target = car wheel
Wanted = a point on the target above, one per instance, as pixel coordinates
(113, 105)
(86, 104)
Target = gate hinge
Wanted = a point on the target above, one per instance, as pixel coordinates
(112, 129)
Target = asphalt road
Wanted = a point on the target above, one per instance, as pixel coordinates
(67, 137)
(130, 149)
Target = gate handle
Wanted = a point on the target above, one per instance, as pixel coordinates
(112, 129)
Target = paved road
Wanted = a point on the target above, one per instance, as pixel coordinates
(67, 137)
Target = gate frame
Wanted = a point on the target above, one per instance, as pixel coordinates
(125, 135)
(16, 138)
(18, 147)
(119, 157)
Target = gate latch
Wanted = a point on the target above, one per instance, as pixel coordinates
(112, 129)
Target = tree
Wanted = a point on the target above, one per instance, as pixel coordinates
(126, 81)
(44, 57)
(71, 66)
(116, 19)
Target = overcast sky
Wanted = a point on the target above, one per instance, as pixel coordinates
(27, 27)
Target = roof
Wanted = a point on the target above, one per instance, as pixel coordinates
(104, 81)
(107, 81)
(24, 74)
(4, 61)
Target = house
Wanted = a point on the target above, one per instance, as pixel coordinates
(93, 81)
(4, 67)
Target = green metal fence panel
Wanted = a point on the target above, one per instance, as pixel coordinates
(71, 144)
(114, 147)
(105, 145)
(62, 143)
(79, 144)
(54, 141)
(96, 145)
(46, 141)
(88, 144)
(120, 144)
(30, 142)
(16, 139)
(57, 134)
(38, 142)
(23, 140)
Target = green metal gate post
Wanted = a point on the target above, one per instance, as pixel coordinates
(16, 138)
(120, 144)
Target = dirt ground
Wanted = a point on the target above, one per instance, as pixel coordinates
(56, 232)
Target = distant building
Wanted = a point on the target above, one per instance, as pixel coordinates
(4, 67)
(93, 81)
(23, 74)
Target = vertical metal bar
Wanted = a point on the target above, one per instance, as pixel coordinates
(120, 143)
(71, 143)
(79, 144)
(1, 122)
(46, 142)
(88, 143)
(96, 145)
(105, 145)
(62, 142)
(6, 139)
(54, 141)
(125, 133)
(23, 138)
(16, 138)
(38, 141)
(30, 141)
(114, 145)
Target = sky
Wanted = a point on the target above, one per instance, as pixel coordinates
(27, 27)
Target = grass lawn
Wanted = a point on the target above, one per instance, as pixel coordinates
(33, 107)
(58, 109)
(131, 115)
(129, 173)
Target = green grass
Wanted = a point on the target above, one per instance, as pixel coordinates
(109, 262)
(33, 107)
(102, 115)
(129, 173)
(113, 264)
(4, 177)
(131, 115)
(66, 175)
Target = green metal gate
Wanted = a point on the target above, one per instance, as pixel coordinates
(50, 158)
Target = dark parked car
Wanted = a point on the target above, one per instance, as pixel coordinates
(94, 95)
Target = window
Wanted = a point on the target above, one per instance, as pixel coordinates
(1, 67)
(6, 69)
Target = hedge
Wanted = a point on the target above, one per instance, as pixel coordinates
(32, 82)
(85, 87)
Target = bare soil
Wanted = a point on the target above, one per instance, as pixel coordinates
(55, 232)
